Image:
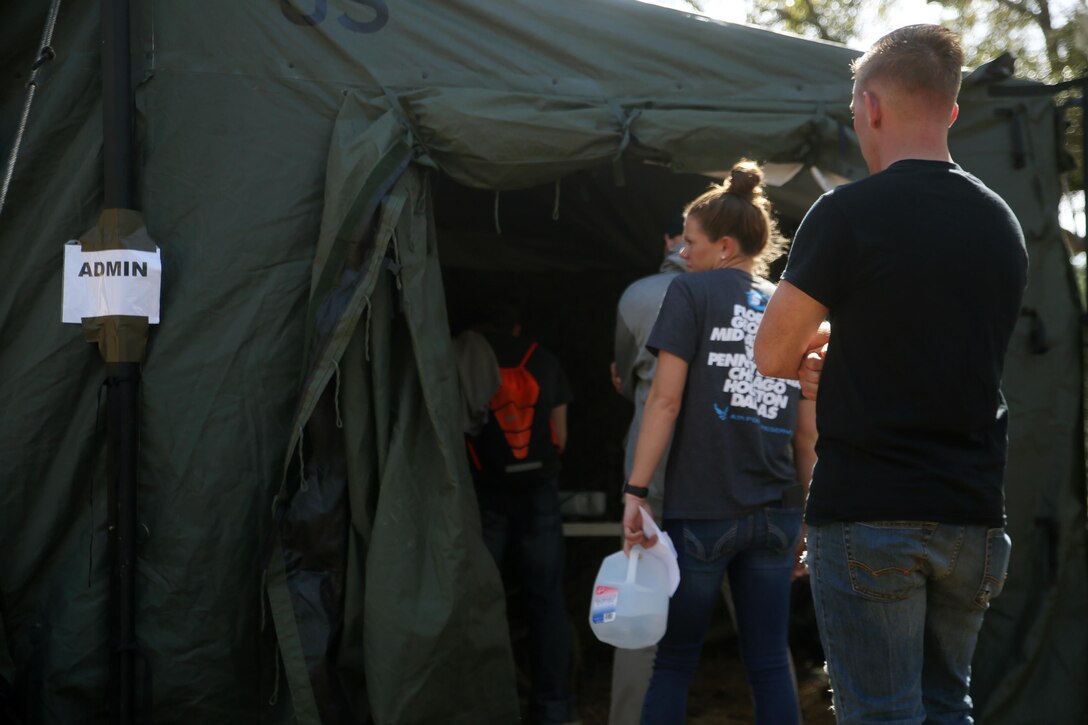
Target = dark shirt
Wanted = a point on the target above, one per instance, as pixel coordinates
(732, 447)
(922, 268)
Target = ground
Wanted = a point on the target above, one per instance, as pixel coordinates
(719, 694)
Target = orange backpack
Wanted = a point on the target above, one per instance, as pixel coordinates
(514, 403)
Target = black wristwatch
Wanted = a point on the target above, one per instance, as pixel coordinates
(640, 491)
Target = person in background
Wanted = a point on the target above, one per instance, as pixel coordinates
(906, 535)
(742, 452)
(515, 459)
(633, 367)
(632, 375)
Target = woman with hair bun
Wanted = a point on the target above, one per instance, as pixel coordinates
(741, 458)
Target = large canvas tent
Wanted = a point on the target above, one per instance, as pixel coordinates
(310, 548)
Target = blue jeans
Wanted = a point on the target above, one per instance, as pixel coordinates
(520, 518)
(899, 606)
(756, 552)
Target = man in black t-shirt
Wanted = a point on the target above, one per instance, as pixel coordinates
(515, 463)
(920, 271)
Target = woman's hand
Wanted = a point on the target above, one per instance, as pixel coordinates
(634, 508)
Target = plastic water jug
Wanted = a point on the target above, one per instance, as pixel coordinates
(630, 604)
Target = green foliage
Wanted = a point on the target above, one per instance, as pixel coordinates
(1048, 38)
(1023, 27)
(989, 28)
(835, 20)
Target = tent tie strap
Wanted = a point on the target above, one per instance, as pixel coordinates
(366, 330)
(45, 54)
(336, 394)
(402, 112)
(555, 207)
(625, 117)
(397, 266)
(303, 484)
(498, 227)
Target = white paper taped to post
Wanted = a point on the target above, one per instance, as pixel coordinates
(114, 282)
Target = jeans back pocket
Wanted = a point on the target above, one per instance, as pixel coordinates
(710, 539)
(886, 557)
(783, 528)
(998, 549)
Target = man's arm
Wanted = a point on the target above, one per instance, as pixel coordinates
(559, 426)
(793, 325)
(804, 444)
(626, 350)
(804, 460)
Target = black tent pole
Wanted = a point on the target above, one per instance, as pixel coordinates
(116, 105)
(122, 378)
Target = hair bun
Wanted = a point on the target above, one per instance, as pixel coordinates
(745, 180)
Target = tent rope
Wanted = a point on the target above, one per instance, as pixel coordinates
(498, 228)
(303, 485)
(45, 54)
(336, 394)
(555, 208)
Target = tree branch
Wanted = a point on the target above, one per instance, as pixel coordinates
(814, 18)
(1021, 8)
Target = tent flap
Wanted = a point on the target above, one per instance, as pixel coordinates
(390, 585)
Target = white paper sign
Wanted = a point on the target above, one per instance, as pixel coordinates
(117, 282)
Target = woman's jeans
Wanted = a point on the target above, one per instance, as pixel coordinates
(899, 606)
(757, 553)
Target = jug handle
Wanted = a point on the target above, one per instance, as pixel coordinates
(632, 562)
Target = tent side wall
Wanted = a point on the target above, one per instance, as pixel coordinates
(1032, 645)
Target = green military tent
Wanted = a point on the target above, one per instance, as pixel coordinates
(318, 175)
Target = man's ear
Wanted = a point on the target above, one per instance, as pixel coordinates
(873, 108)
(955, 114)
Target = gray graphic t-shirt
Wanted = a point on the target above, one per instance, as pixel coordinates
(732, 447)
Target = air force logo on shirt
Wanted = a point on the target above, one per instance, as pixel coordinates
(757, 300)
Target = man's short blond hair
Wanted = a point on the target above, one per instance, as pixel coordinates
(918, 59)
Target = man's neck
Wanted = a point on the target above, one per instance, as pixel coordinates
(922, 148)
